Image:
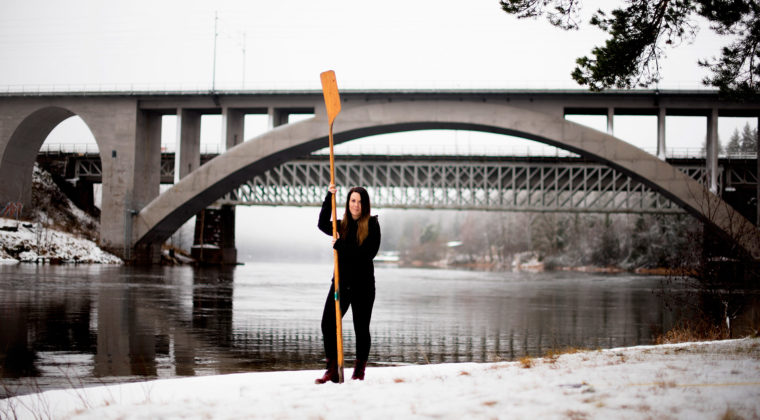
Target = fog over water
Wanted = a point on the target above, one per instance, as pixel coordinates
(266, 233)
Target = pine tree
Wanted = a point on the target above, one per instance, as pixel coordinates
(642, 30)
(749, 139)
(735, 143)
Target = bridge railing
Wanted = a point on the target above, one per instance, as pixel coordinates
(407, 149)
(92, 148)
(122, 88)
(699, 153)
(68, 148)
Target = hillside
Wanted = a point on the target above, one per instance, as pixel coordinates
(56, 232)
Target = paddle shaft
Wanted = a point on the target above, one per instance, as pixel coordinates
(338, 312)
(332, 104)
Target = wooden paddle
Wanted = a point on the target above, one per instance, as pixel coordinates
(332, 102)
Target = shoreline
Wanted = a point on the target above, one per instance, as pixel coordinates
(687, 380)
(532, 268)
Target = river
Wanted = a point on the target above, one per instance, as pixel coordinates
(78, 325)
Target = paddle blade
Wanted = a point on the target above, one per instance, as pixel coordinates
(330, 92)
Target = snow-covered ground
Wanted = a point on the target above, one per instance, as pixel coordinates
(33, 242)
(708, 380)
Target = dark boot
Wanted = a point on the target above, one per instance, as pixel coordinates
(331, 374)
(359, 370)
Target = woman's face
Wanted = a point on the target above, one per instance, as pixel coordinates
(355, 205)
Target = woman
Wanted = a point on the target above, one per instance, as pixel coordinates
(357, 244)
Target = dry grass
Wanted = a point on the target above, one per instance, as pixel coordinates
(553, 354)
(526, 362)
(665, 384)
(576, 415)
(754, 351)
(692, 331)
(731, 415)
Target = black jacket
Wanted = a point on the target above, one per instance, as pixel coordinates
(354, 261)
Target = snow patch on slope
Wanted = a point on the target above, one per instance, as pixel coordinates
(60, 232)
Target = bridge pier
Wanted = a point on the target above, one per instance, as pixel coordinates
(610, 121)
(147, 186)
(661, 146)
(147, 158)
(277, 117)
(146, 254)
(214, 233)
(188, 146)
(711, 151)
(214, 241)
(232, 127)
(214, 236)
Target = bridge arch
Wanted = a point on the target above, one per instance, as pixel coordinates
(114, 122)
(161, 217)
(21, 150)
(19, 153)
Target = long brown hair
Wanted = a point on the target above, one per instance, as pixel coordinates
(362, 228)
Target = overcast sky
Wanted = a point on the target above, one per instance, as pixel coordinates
(421, 43)
(169, 44)
(93, 44)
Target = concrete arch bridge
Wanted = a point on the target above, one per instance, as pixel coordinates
(127, 129)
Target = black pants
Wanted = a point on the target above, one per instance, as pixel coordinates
(361, 302)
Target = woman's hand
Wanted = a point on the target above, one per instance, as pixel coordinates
(332, 189)
(335, 238)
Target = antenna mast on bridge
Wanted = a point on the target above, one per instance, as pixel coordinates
(216, 35)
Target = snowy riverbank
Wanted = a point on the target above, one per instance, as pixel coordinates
(708, 380)
(61, 232)
(32, 242)
(47, 239)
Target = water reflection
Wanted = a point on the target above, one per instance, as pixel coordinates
(80, 325)
(146, 321)
(126, 344)
(15, 352)
(505, 320)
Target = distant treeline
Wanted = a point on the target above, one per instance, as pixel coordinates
(627, 241)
